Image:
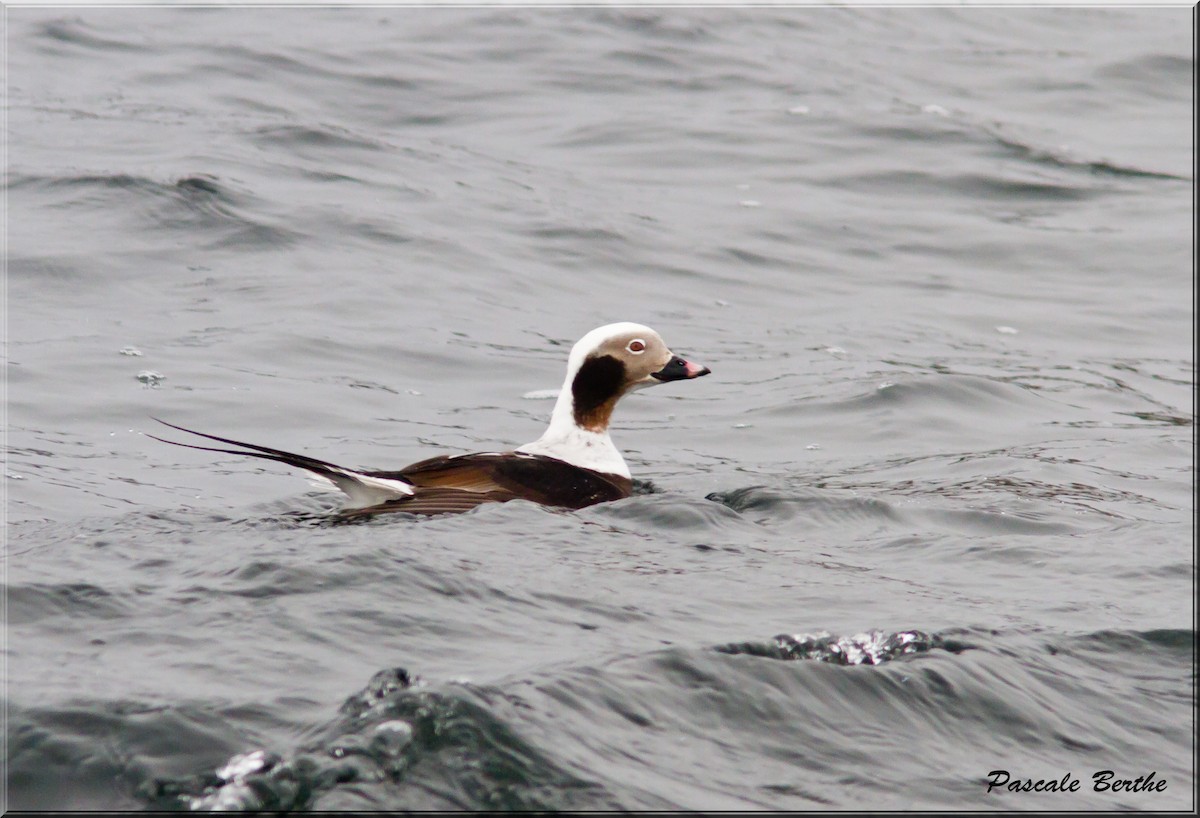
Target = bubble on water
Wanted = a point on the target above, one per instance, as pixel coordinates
(133, 352)
(798, 110)
(813, 446)
(150, 377)
(392, 737)
(541, 394)
(394, 726)
(242, 765)
(937, 110)
(414, 392)
(750, 203)
(1006, 330)
(234, 791)
(871, 648)
(835, 350)
(742, 425)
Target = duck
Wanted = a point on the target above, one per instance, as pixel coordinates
(574, 464)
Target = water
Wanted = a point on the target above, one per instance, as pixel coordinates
(931, 517)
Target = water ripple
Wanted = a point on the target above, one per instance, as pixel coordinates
(197, 203)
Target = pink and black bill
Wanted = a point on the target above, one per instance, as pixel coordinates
(677, 369)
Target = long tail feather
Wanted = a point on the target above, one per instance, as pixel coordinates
(362, 489)
(292, 459)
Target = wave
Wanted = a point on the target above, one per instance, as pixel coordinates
(394, 725)
(75, 31)
(871, 648)
(799, 720)
(404, 743)
(195, 204)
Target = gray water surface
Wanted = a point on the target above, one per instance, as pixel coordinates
(931, 516)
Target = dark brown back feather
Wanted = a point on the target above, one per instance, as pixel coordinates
(461, 482)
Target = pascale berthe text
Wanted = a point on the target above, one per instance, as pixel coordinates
(1102, 781)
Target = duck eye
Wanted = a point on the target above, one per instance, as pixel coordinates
(636, 345)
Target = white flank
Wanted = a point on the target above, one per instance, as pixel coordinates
(364, 491)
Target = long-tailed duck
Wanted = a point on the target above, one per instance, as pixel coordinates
(574, 464)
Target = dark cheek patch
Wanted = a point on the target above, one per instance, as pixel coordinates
(596, 387)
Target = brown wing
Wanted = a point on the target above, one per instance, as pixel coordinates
(465, 472)
(461, 482)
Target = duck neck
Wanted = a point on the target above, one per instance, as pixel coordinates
(566, 440)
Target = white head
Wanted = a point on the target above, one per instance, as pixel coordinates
(604, 365)
(612, 361)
